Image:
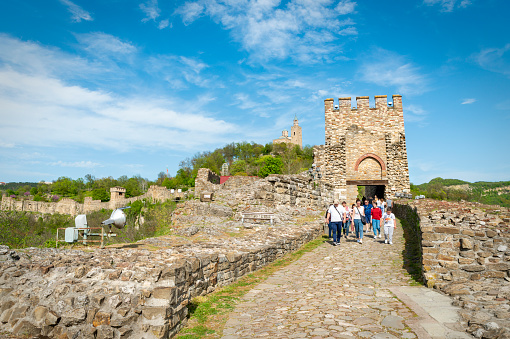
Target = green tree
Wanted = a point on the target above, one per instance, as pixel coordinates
(238, 166)
(269, 165)
(101, 194)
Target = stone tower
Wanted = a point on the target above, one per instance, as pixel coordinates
(296, 135)
(364, 146)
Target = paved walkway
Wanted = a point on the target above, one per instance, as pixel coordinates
(347, 291)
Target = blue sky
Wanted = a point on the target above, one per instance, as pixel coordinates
(127, 87)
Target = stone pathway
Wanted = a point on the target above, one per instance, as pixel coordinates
(347, 291)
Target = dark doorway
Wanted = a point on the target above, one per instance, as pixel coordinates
(370, 191)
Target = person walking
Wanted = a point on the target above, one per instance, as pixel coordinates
(376, 221)
(352, 215)
(358, 212)
(348, 219)
(368, 207)
(336, 215)
(389, 226)
(382, 205)
(328, 222)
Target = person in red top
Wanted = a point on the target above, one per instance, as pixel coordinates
(376, 221)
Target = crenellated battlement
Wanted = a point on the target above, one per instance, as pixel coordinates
(363, 102)
(383, 117)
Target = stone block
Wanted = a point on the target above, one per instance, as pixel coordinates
(26, 328)
(74, 317)
(469, 233)
(445, 257)
(101, 318)
(466, 244)
(40, 313)
(466, 261)
(156, 312)
(494, 274)
(105, 332)
(499, 266)
(473, 268)
(160, 331)
(51, 318)
(491, 233)
(447, 230)
(167, 293)
(431, 236)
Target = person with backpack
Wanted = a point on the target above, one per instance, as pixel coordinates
(336, 215)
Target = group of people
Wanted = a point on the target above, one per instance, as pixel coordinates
(364, 213)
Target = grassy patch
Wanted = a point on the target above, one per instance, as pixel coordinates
(208, 314)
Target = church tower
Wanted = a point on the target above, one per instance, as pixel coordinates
(296, 135)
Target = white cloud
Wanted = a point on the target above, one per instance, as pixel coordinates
(495, 59)
(164, 24)
(415, 113)
(181, 71)
(388, 69)
(78, 13)
(151, 10)
(448, 5)
(468, 101)
(4, 144)
(305, 30)
(102, 44)
(41, 108)
(348, 31)
(190, 12)
(78, 164)
(345, 7)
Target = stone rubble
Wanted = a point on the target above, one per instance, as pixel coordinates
(142, 290)
(466, 255)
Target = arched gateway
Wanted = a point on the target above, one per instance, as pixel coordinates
(364, 147)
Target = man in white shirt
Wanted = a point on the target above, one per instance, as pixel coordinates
(336, 215)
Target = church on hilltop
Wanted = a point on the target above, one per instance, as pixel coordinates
(296, 136)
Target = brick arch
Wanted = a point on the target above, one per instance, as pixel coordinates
(373, 156)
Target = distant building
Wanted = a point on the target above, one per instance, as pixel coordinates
(2, 183)
(296, 136)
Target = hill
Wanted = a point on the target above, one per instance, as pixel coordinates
(491, 193)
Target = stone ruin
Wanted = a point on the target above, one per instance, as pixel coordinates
(69, 206)
(466, 254)
(364, 146)
(142, 290)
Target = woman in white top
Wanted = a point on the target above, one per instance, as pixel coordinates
(357, 212)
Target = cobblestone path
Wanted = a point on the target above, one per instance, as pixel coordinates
(332, 292)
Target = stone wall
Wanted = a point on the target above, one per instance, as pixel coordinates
(114, 293)
(276, 189)
(205, 181)
(364, 146)
(72, 207)
(466, 254)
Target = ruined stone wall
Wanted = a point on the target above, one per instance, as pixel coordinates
(206, 181)
(364, 145)
(114, 293)
(72, 207)
(277, 189)
(466, 254)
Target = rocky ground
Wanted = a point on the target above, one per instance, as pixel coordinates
(346, 291)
